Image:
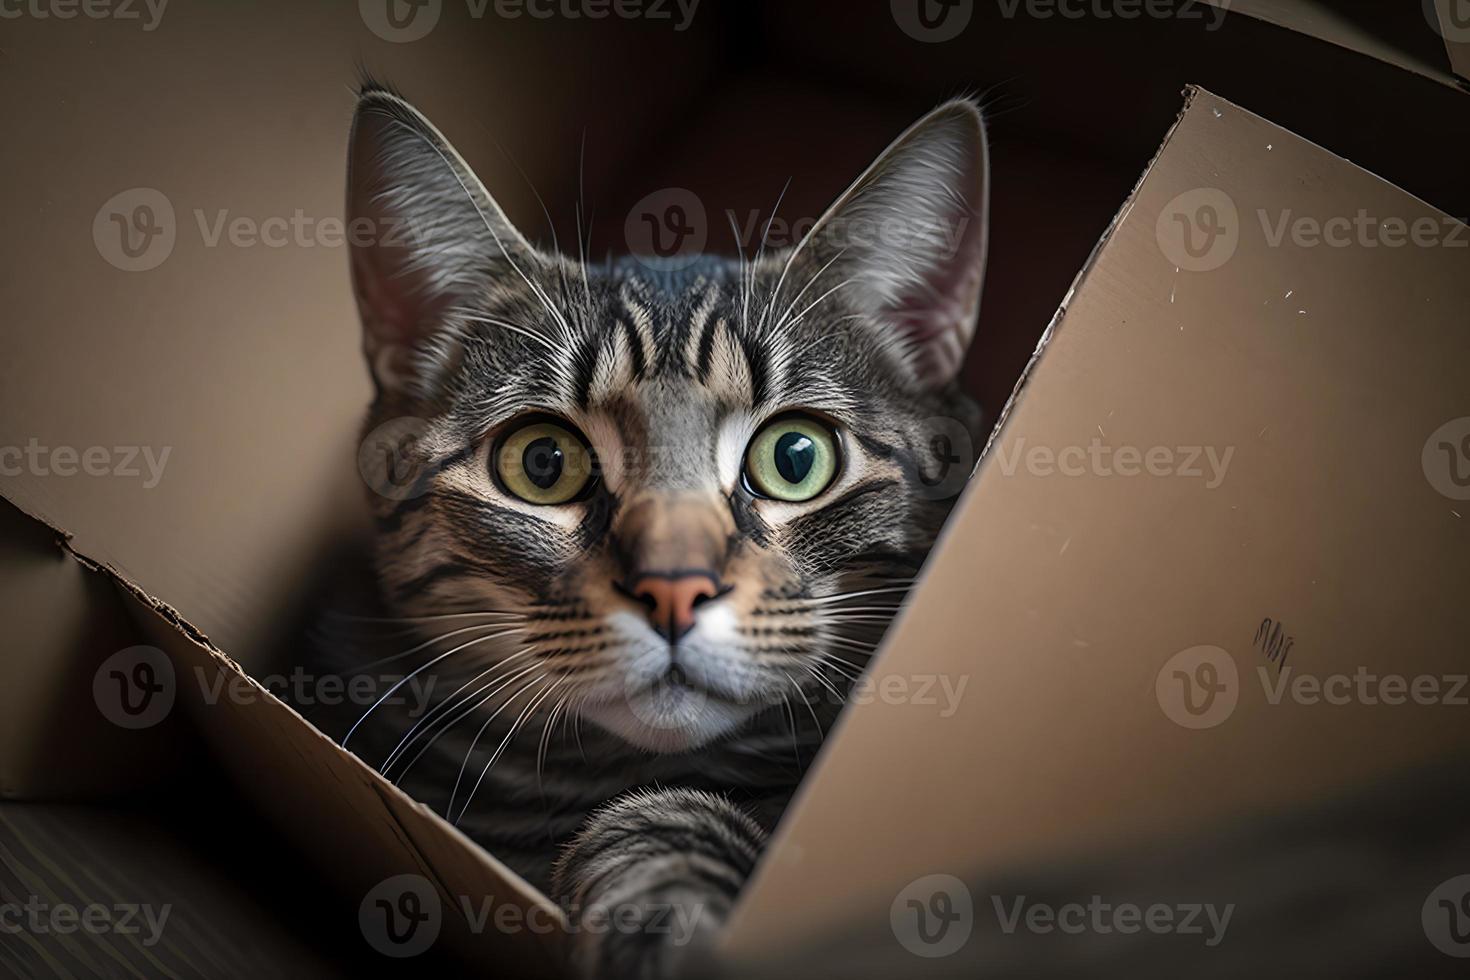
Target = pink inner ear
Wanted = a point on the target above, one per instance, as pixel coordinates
(382, 310)
(403, 195)
(936, 316)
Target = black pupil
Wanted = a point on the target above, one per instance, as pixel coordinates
(542, 461)
(795, 454)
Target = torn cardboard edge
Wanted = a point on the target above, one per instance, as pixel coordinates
(1190, 92)
(426, 844)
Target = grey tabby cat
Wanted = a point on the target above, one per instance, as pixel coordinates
(662, 512)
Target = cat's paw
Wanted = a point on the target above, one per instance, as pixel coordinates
(649, 881)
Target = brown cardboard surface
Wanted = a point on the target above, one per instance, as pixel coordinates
(1454, 24)
(1398, 34)
(361, 829)
(1064, 598)
(256, 483)
(61, 623)
(237, 357)
(176, 915)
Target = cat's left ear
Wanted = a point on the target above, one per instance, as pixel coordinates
(428, 241)
(908, 238)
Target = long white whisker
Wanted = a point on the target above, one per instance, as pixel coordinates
(826, 599)
(797, 298)
(423, 619)
(447, 705)
(428, 643)
(414, 673)
(483, 694)
(505, 253)
(814, 304)
(454, 793)
(474, 316)
(515, 727)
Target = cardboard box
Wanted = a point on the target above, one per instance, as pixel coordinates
(1327, 539)
(1088, 585)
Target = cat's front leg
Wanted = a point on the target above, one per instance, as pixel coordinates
(650, 879)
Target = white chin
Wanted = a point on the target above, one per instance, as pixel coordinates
(667, 720)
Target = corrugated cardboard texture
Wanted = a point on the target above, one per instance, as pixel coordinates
(1324, 371)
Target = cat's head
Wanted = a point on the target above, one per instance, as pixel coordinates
(680, 496)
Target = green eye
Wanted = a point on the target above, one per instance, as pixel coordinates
(544, 463)
(793, 459)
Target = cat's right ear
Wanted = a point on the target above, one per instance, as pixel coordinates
(426, 239)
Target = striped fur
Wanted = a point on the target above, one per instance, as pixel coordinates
(560, 739)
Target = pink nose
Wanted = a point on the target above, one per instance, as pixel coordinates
(672, 599)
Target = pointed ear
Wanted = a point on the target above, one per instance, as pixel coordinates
(426, 240)
(908, 240)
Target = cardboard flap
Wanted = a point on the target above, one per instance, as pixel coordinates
(1454, 25)
(62, 621)
(1228, 489)
(1404, 35)
(376, 843)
